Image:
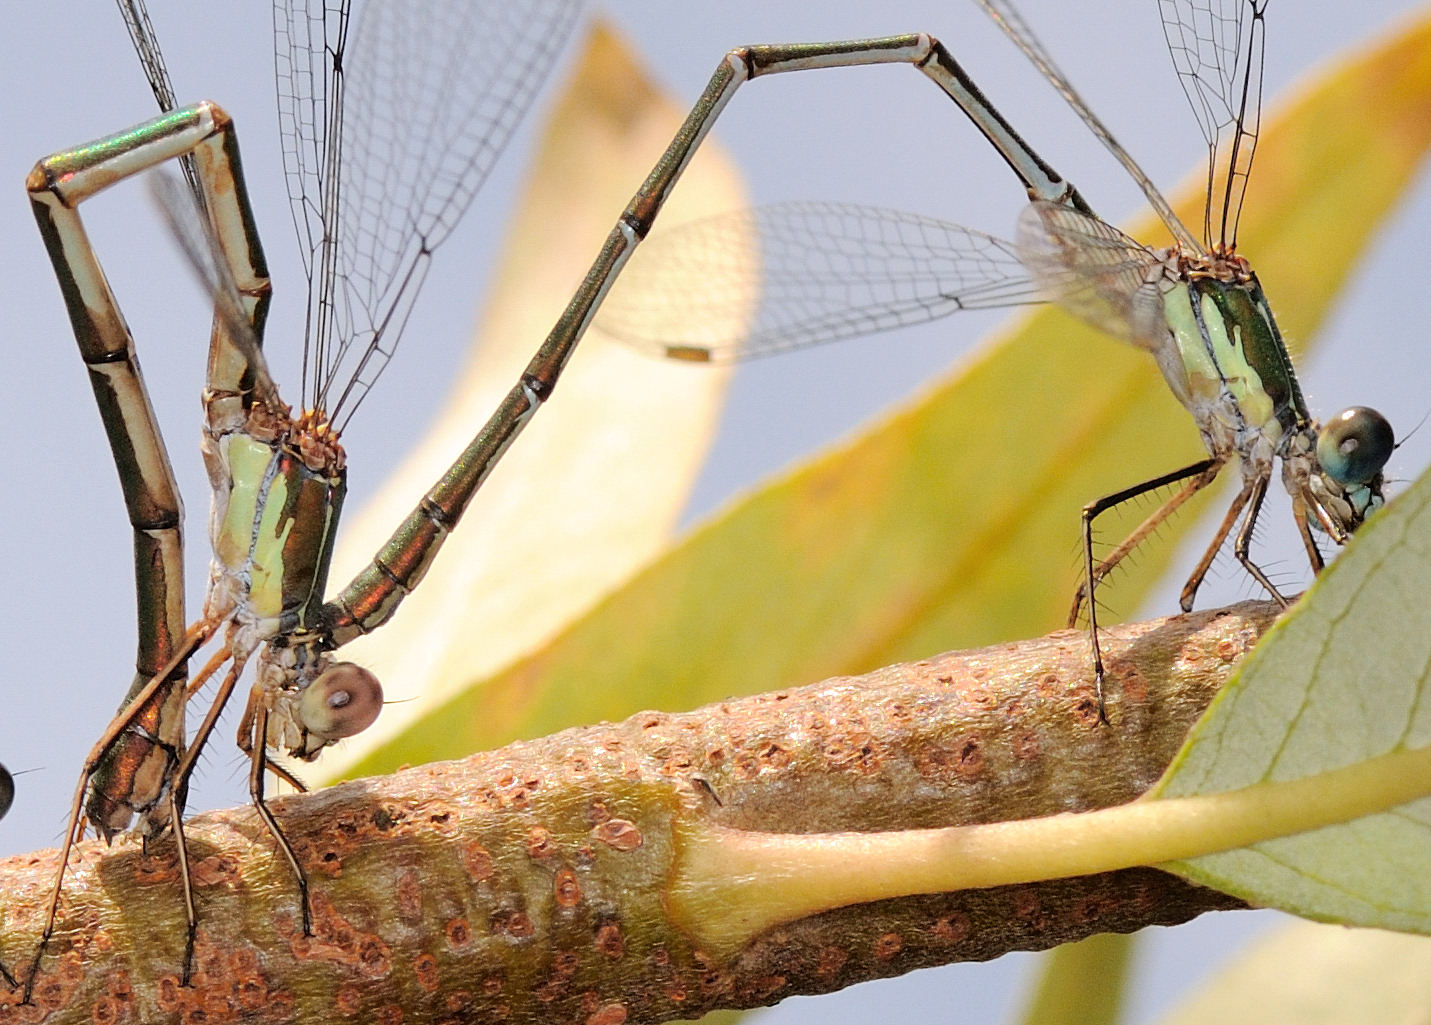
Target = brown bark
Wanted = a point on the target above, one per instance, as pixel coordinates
(526, 884)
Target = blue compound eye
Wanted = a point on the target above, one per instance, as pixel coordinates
(1354, 445)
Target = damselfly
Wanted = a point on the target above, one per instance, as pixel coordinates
(369, 224)
(831, 271)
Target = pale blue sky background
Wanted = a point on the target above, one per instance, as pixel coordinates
(878, 136)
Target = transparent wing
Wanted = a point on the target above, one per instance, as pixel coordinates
(1007, 17)
(799, 274)
(151, 59)
(185, 209)
(1216, 46)
(1096, 272)
(189, 226)
(391, 116)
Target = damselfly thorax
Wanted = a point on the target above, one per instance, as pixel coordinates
(1204, 318)
(278, 487)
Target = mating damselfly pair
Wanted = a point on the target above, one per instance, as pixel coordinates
(904, 50)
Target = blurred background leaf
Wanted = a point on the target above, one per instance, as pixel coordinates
(1311, 974)
(1082, 983)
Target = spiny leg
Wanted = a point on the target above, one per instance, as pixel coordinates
(258, 764)
(1314, 554)
(179, 789)
(375, 593)
(1329, 525)
(1242, 547)
(1198, 476)
(252, 733)
(284, 775)
(1095, 575)
(1199, 572)
(118, 728)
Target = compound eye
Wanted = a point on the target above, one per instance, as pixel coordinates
(344, 700)
(1354, 445)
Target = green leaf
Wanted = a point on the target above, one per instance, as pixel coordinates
(1082, 983)
(876, 552)
(1345, 677)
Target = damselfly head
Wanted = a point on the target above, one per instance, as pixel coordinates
(314, 701)
(343, 701)
(1354, 445)
(1352, 448)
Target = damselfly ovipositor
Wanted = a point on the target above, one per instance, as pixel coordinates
(833, 271)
